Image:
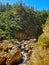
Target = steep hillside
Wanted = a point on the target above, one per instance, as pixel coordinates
(18, 18)
(40, 54)
(46, 26)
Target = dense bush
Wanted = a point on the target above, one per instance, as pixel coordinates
(16, 18)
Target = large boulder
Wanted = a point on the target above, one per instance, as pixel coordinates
(9, 52)
(13, 56)
(2, 55)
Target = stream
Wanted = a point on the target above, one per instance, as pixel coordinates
(23, 58)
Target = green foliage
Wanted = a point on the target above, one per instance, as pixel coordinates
(2, 32)
(15, 18)
(43, 38)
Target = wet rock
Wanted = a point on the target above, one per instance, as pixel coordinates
(25, 42)
(22, 64)
(33, 40)
(13, 56)
(2, 59)
(12, 51)
(9, 52)
(27, 47)
(2, 56)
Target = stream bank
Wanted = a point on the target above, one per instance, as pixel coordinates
(16, 52)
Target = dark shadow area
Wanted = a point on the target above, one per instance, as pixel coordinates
(17, 63)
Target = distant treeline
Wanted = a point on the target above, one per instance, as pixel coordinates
(19, 18)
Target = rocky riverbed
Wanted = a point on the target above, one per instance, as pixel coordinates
(16, 52)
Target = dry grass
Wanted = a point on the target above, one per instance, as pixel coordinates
(40, 56)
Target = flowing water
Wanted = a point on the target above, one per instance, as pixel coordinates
(23, 58)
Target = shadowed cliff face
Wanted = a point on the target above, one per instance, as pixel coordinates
(20, 35)
(28, 33)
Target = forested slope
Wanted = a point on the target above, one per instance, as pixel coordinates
(21, 20)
